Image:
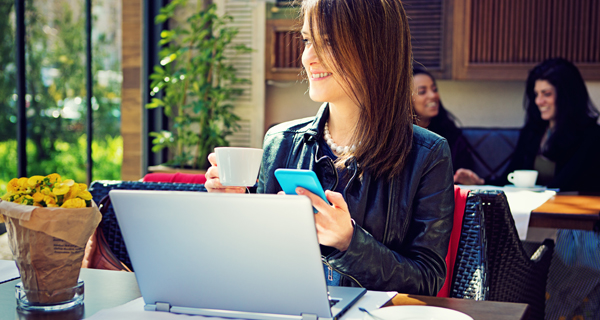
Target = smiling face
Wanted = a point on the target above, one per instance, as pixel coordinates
(545, 99)
(324, 86)
(426, 99)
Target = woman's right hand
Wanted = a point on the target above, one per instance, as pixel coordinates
(213, 183)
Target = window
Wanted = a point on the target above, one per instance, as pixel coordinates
(55, 100)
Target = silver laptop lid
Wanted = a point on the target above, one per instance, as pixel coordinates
(239, 252)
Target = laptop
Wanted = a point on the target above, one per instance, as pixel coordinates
(247, 256)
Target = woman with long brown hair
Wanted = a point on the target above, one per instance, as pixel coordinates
(389, 182)
(432, 115)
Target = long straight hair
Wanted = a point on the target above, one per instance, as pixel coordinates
(367, 43)
(574, 109)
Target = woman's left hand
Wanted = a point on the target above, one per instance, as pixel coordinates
(467, 177)
(334, 224)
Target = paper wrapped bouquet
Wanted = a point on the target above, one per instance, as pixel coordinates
(49, 222)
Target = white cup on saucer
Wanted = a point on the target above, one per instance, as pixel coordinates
(238, 167)
(523, 178)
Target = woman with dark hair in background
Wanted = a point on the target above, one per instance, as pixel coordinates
(561, 140)
(389, 182)
(432, 115)
(561, 137)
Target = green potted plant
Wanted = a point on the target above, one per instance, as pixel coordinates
(198, 84)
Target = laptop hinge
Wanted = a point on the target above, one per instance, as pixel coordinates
(308, 316)
(163, 306)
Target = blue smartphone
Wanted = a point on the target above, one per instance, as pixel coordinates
(290, 179)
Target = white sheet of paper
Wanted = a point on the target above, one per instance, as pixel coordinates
(134, 310)
(372, 300)
(521, 202)
(8, 270)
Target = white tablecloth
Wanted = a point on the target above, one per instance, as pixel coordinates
(134, 310)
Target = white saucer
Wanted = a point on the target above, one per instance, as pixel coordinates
(534, 188)
(416, 313)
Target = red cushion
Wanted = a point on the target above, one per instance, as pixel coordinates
(460, 201)
(175, 177)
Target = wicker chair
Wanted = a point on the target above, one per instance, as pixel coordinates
(469, 279)
(516, 271)
(110, 227)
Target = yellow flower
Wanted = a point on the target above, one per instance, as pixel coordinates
(23, 182)
(50, 201)
(8, 196)
(61, 189)
(73, 191)
(34, 181)
(74, 203)
(85, 195)
(26, 200)
(13, 185)
(54, 178)
(48, 191)
(38, 197)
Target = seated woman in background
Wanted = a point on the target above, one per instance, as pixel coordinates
(389, 182)
(561, 137)
(432, 115)
(561, 140)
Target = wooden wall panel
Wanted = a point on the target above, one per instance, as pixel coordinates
(550, 28)
(283, 50)
(503, 39)
(289, 49)
(131, 96)
(426, 19)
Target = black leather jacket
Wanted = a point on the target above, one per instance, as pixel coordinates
(576, 169)
(402, 225)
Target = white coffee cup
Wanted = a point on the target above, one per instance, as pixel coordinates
(523, 178)
(238, 167)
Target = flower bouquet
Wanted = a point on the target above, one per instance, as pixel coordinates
(49, 221)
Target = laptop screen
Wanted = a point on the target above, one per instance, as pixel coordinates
(241, 252)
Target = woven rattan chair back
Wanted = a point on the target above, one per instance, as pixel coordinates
(109, 223)
(514, 273)
(469, 280)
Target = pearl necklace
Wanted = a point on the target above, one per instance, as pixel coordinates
(337, 149)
